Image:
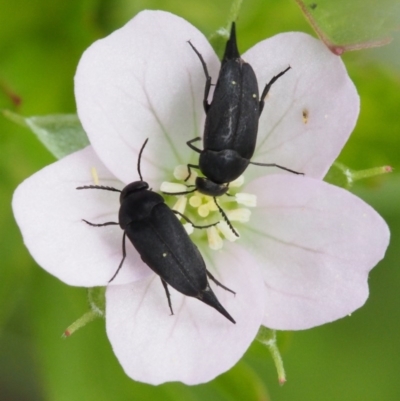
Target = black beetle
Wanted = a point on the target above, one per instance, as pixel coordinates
(230, 131)
(231, 125)
(162, 242)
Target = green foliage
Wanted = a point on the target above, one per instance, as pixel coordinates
(352, 25)
(61, 134)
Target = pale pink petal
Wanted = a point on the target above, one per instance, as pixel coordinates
(49, 212)
(309, 112)
(197, 343)
(144, 81)
(316, 243)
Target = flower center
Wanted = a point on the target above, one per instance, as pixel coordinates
(202, 209)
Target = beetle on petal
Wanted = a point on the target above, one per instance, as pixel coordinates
(230, 132)
(162, 242)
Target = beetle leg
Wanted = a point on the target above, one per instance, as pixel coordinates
(268, 87)
(190, 171)
(181, 193)
(168, 295)
(189, 221)
(189, 143)
(276, 165)
(109, 223)
(123, 258)
(225, 217)
(208, 78)
(211, 277)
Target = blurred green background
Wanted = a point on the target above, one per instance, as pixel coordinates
(356, 358)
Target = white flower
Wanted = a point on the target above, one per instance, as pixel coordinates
(302, 259)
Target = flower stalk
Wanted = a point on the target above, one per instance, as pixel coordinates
(96, 299)
(268, 338)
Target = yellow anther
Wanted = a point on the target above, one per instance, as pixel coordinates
(212, 207)
(203, 211)
(195, 201)
(94, 175)
(199, 206)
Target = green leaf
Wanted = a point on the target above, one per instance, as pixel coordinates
(352, 25)
(61, 134)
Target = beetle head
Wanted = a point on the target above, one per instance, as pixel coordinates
(133, 187)
(210, 188)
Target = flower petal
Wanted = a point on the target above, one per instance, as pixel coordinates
(144, 81)
(49, 211)
(196, 343)
(309, 112)
(317, 243)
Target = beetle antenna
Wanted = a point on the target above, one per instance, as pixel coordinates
(189, 221)
(140, 158)
(276, 165)
(225, 217)
(99, 187)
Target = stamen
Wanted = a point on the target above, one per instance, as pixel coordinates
(214, 240)
(181, 173)
(203, 211)
(180, 204)
(195, 201)
(94, 175)
(227, 231)
(238, 182)
(248, 200)
(172, 187)
(241, 214)
(198, 206)
(188, 228)
(212, 207)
